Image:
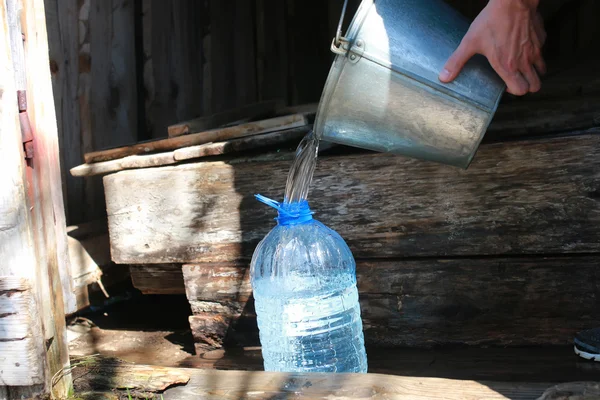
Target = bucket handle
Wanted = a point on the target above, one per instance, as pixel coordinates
(337, 45)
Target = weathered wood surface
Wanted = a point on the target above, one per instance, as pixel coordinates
(16, 237)
(260, 141)
(573, 391)
(53, 278)
(213, 384)
(33, 221)
(158, 278)
(248, 112)
(215, 135)
(174, 54)
(89, 250)
(232, 54)
(423, 303)
(265, 385)
(513, 364)
(111, 374)
(569, 101)
(63, 37)
(113, 92)
(21, 350)
(517, 198)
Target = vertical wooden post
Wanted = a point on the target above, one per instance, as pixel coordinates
(33, 244)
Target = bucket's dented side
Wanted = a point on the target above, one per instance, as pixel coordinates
(383, 91)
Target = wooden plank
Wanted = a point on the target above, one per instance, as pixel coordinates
(21, 351)
(128, 162)
(263, 385)
(537, 118)
(261, 141)
(250, 112)
(271, 50)
(568, 101)
(510, 201)
(212, 384)
(232, 55)
(174, 58)
(430, 302)
(113, 92)
(53, 278)
(63, 40)
(158, 278)
(215, 135)
(308, 49)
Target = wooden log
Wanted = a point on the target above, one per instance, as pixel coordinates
(158, 278)
(262, 141)
(425, 303)
(250, 111)
(264, 385)
(531, 197)
(216, 135)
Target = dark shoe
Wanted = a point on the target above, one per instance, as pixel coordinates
(587, 344)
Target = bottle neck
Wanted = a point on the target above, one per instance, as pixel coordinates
(294, 213)
(289, 213)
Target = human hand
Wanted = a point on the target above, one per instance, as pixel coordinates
(510, 33)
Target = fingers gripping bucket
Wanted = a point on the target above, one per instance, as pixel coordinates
(383, 92)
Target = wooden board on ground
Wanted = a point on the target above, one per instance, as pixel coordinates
(216, 135)
(262, 141)
(248, 112)
(425, 303)
(212, 384)
(110, 374)
(265, 385)
(536, 197)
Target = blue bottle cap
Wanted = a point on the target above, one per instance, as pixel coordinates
(289, 213)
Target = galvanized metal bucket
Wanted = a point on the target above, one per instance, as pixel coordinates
(383, 91)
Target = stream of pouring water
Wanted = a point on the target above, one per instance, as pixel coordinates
(302, 170)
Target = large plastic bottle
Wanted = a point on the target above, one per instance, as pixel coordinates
(304, 282)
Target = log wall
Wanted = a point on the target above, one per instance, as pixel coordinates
(505, 253)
